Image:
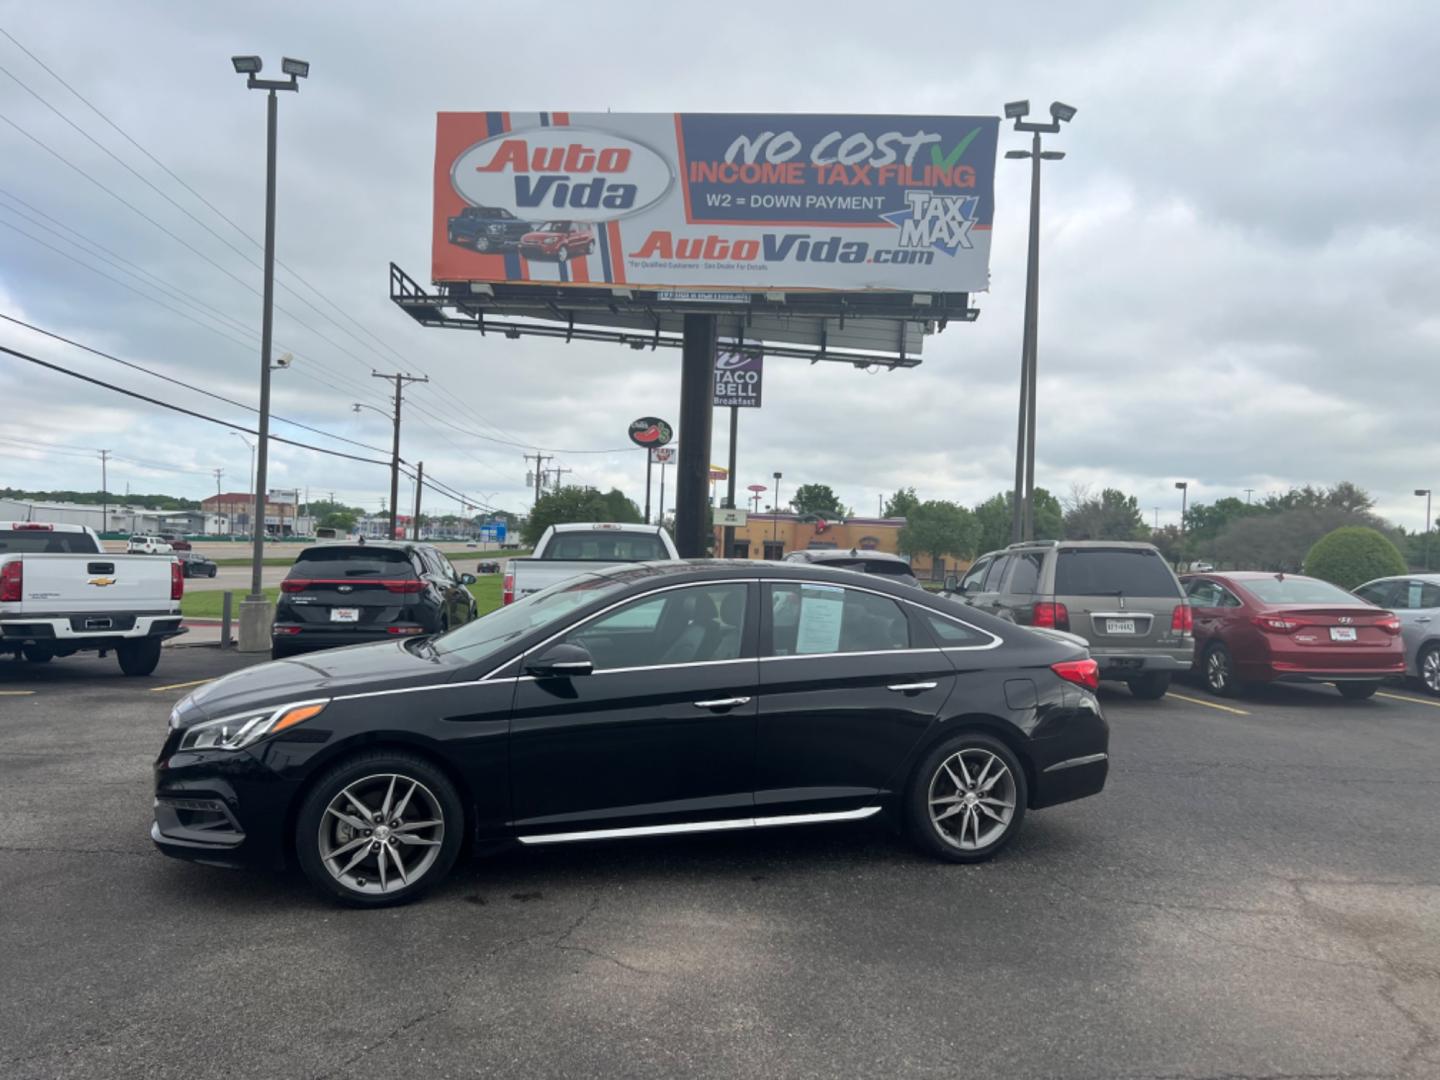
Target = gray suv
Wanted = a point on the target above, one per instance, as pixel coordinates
(1121, 597)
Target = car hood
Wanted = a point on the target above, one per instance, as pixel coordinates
(385, 665)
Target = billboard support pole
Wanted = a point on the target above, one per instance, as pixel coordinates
(728, 549)
(697, 406)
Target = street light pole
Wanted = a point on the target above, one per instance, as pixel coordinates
(1184, 486)
(775, 521)
(1022, 521)
(1426, 493)
(255, 612)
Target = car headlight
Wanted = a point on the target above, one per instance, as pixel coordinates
(243, 729)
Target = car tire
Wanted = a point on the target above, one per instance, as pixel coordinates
(988, 821)
(1152, 686)
(562, 255)
(139, 657)
(1357, 691)
(1427, 664)
(213, 571)
(482, 245)
(1217, 672)
(37, 654)
(280, 652)
(327, 826)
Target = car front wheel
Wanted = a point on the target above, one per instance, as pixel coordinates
(379, 829)
(967, 799)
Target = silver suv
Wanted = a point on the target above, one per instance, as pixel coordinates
(1121, 597)
(1416, 599)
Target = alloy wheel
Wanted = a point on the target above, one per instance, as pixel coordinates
(1217, 671)
(381, 833)
(972, 799)
(1430, 670)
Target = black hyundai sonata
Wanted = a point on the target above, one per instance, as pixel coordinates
(649, 699)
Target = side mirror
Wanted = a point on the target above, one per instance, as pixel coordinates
(952, 582)
(467, 579)
(560, 662)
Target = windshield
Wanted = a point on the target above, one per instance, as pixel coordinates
(1113, 572)
(1296, 590)
(492, 632)
(333, 561)
(43, 542)
(554, 226)
(605, 547)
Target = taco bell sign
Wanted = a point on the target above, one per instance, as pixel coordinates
(738, 376)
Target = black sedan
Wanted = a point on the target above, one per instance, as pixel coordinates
(342, 594)
(646, 699)
(193, 564)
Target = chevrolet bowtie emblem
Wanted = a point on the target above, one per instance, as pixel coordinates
(102, 581)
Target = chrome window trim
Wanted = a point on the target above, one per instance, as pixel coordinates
(700, 826)
(1070, 763)
(612, 607)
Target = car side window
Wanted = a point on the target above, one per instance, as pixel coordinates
(996, 574)
(951, 634)
(975, 575)
(808, 620)
(679, 626)
(1205, 594)
(1383, 594)
(1429, 595)
(1026, 576)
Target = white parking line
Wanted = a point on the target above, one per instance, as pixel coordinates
(16, 693)
(1411, 700)
(1208, 704)
(180, 685)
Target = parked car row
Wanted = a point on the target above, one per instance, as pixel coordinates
(489, 229)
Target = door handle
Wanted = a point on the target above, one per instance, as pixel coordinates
(910, 687)
(722, 703)
(1423, 619)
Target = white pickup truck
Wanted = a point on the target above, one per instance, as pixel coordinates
(567, 550)
(61, 593)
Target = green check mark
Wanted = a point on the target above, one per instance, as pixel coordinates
(955, 155)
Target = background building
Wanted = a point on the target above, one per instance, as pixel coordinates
(770, 536)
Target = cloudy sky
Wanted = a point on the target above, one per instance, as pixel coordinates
(1240, 253)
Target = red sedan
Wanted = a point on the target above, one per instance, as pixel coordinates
(1253, 627)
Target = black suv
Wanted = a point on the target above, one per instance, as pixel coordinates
(881, 563)
(487, 228)
(344, 594)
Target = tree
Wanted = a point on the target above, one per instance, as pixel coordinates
(817, 499)
(1111, 515)
(1353, 555)
(937, 528)
(992, 517)
(340, 520)
(570, 504)
(901, 503)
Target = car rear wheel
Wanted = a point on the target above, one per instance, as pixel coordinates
(1151, 686)
(139, 657)
(967, 799)
(563, 254)
(482, 244)
(1429, 668)
(213, 571)
(1219, 672)
(1357, 691)
(379, 829)
(38, 654)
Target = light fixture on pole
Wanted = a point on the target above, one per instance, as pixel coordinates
(1022, 520)
(1426, 493)
(256, 614)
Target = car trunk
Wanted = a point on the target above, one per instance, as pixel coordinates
(1335, 637)
(340, 587)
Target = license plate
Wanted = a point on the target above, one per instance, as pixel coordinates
(344, 614)
(1342, 633)
(1119, 626)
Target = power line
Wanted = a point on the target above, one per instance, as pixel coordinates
(180, 382)
(521, 445)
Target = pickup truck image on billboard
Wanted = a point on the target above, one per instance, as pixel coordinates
(715, 200)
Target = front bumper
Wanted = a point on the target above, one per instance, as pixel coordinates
(224, 808)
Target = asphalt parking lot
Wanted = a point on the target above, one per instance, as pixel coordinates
(1256, 894)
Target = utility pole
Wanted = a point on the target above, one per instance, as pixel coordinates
(419, 487)
(540, 470)
(1248, 493)
(218, 474)
(104, 497)
(400, 379)
(558, 472)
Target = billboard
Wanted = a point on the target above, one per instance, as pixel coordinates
(742, 203)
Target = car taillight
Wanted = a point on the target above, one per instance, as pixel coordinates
(1084, 673)
(1278, 624)
(294, 585)
(507, 589)
(1182, 619)
(177, 581)
(31, 526)
(403, 630)
(404, 586)
(1054, 615)
(12, 581)
(1390, 624)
